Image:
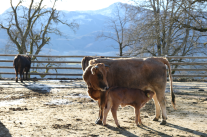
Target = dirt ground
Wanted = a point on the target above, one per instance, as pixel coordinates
(62, 108)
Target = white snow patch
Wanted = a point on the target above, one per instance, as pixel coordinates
(59, 102)
(10, 103)
(78, 96)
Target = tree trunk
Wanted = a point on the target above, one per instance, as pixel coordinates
(120, 49)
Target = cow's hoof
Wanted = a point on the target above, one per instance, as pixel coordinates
(163, 122)
(155, 119)
(140, 125)
(98, 121)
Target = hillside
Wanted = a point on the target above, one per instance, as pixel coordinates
(82, 42)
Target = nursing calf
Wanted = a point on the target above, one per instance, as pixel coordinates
(21, 64)
(126, 96)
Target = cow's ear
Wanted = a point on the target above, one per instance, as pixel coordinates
(93, 70)
(87, 73)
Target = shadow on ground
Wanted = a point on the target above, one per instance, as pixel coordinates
(4, 132)
(187, 130)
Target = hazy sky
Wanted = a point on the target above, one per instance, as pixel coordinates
(70, 5)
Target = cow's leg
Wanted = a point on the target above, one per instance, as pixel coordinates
(26, 74)
(95, 94)
(114, 113)
(101, 102)
(16, 71)
(21, 73)
(162, 102)
(99, 120)
(137, 116)
(157, 108)
(106, 111)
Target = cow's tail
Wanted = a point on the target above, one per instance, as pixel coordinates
(16, 60)
(166, 62)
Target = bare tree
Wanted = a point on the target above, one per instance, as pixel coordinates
(155, 30)
(199, 15)
(28, 28)
(117, 25)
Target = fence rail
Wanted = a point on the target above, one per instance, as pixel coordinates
(9, 67)
(79, 66)
(169, 57)
(63, 74)
(76, 62)
(188, 63)
(13, 55)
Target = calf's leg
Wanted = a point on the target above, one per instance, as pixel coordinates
(114, 113)
(137, 116)
(106, 111)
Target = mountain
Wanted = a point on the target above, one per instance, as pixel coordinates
(105, 11)
(82, 42)
(3, 40)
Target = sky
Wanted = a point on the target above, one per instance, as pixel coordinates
(69, 5)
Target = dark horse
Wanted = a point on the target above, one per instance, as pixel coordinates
(21, 64)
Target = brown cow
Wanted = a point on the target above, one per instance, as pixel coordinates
(144, 74)
(126, 96)
(86, 59)
(21, 64)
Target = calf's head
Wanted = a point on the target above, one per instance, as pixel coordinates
(149, 94)
(95, 76)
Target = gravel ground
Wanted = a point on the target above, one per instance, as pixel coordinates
(63, 108)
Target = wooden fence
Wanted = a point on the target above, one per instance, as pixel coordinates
(78, 64)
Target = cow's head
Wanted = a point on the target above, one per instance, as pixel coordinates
(28, 58)
(95, 76)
